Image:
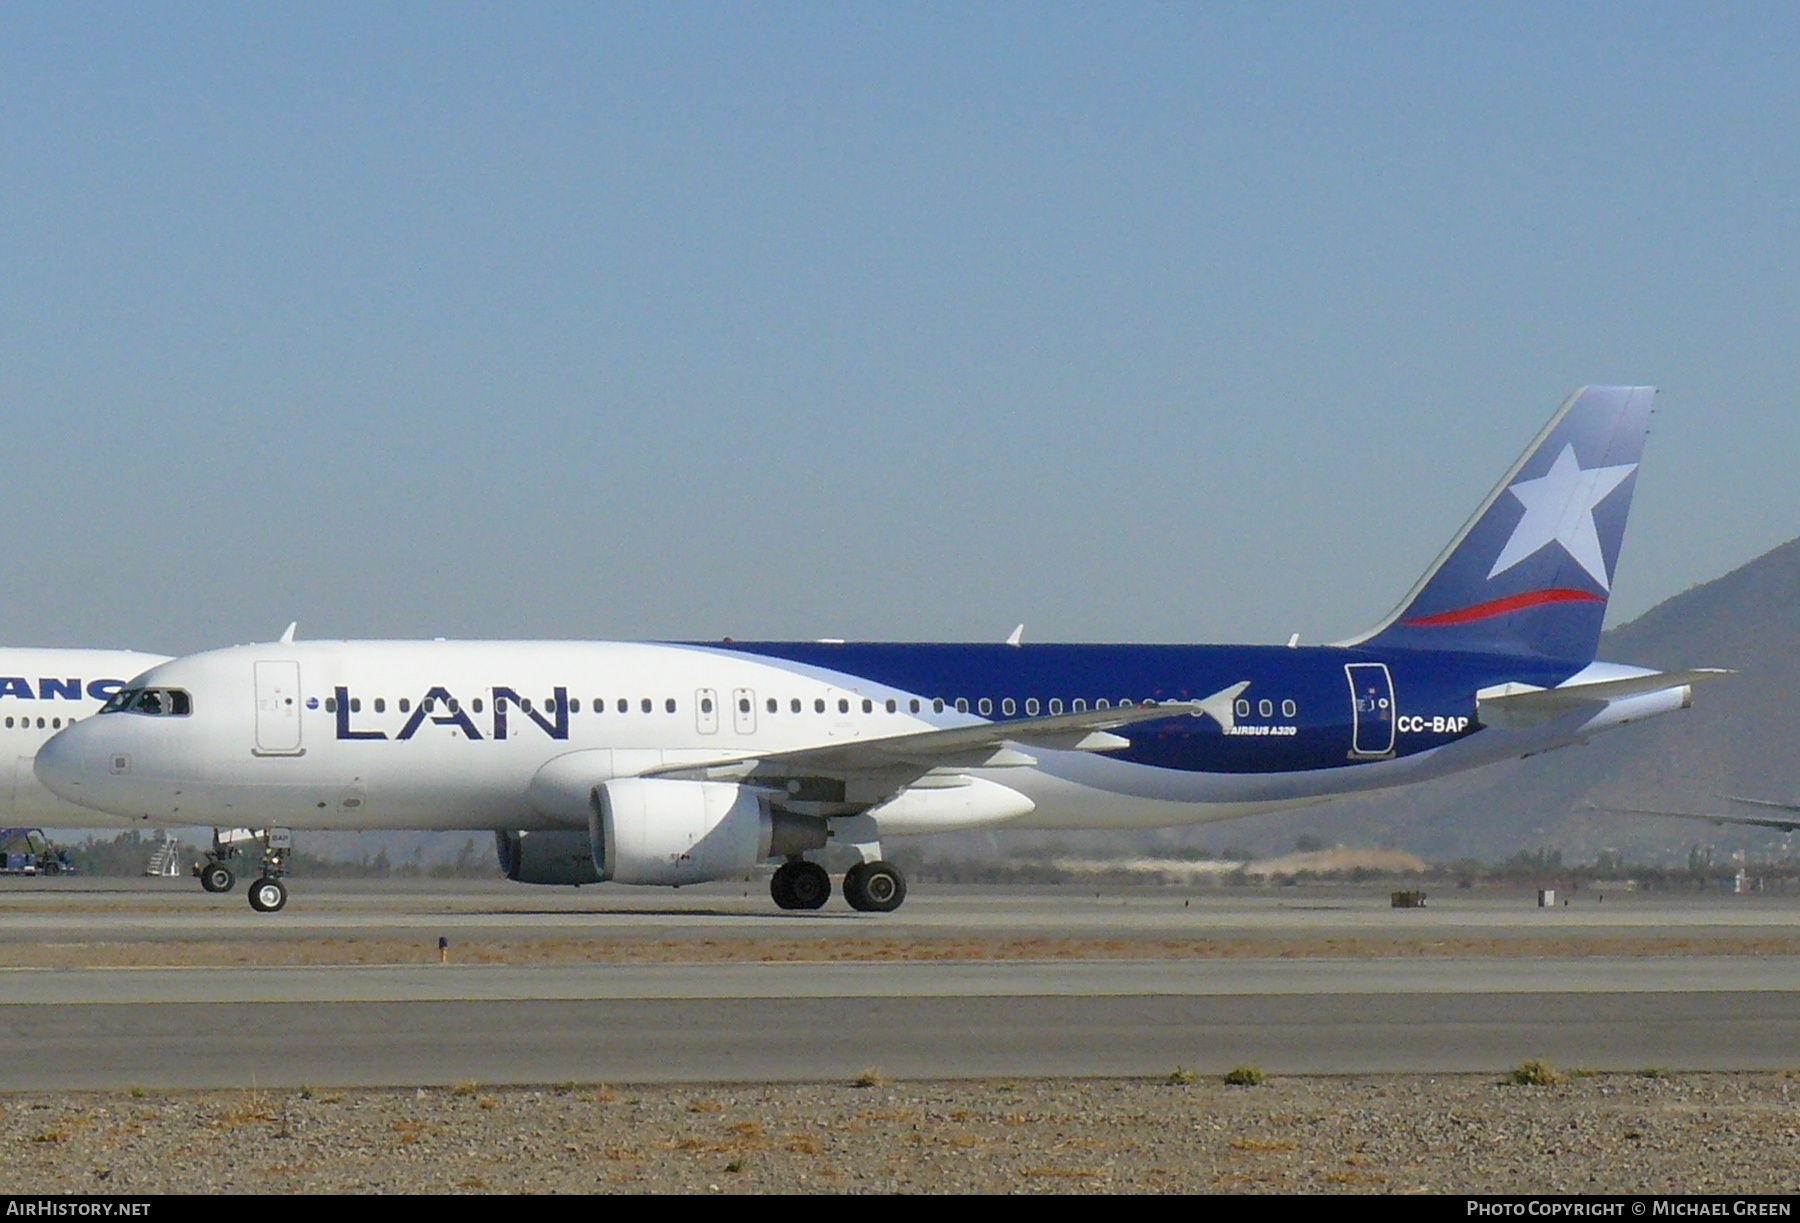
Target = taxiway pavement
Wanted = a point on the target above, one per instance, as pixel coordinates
(1294, 1003)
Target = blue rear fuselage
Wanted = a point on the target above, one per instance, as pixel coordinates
(1299, 712)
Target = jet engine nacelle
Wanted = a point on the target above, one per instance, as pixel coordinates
(565, 858)
(658, 831)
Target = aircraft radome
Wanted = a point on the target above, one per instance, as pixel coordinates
(676, 763)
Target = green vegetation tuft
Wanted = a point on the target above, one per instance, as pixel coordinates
(1534, 1074)
(1244, 1076)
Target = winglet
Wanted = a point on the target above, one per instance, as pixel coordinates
(287, 636)
(1016, 636)
(1221, 705)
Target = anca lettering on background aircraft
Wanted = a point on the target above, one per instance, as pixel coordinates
(41, 691)
(679, 763)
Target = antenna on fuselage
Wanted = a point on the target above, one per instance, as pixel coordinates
(287, 636)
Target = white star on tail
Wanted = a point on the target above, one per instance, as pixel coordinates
(1559, 508)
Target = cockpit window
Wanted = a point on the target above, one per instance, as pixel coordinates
(155, 702)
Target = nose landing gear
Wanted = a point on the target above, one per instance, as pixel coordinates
(268, 894)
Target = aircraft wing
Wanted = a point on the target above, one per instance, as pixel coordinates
(1763, 802)
(1791, 824)
(889, 763)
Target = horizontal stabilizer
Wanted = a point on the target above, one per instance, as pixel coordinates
(1519, 706)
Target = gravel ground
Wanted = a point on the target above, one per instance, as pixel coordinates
(1724, 1133)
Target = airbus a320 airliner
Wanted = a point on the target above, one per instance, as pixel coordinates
(679, 763)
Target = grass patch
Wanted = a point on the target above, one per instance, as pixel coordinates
(871, 1077)
(1244, 1076)
(1181, 1076)
(1533, 1074)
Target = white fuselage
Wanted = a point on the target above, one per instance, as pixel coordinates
(460, 735)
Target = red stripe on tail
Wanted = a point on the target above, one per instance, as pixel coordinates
(1503, 607)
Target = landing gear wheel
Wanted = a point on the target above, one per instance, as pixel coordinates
(800, 885)
(874, 887)
(217, 877)
(268, 895)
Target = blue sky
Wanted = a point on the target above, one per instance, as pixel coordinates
(906, 321)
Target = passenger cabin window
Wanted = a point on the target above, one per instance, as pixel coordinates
(774, 706)
(1055, 705)
(331, 704)
(794, 705)
(819, 705)
(624, 705)
(475, 704)
(1007, 707)
(913, 705)
(843, 705)
(706, 704)
(1288, 709)
(937, 705)
(599, 705)
(986, 706)
(381, 704)
(1077, 706)
(868, 705)
(647, 705)
(669, 705)
(405, 704)
(1031, 706)
(1266, 708)
(892, 707)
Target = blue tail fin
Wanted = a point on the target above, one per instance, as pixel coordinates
(1531, 572)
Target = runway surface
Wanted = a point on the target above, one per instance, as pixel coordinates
(1142, 983)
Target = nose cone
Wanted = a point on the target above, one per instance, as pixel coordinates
(61, 763)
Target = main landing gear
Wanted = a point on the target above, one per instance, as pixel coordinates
(268, 894)
(869, 887)
(874, 887)
(799, 884)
